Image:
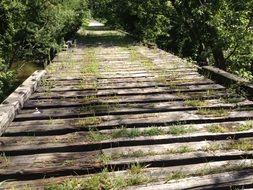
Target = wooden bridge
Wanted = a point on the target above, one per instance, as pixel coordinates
(113, 114)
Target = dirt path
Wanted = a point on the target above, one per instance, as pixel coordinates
(112, 114)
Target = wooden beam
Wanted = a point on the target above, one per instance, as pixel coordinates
(14, 102)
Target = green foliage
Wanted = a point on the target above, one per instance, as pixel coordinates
(210, 32)
(35, 30)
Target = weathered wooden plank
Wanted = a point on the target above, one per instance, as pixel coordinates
(43, 127)
(55, 145)
(15, 101)
(154, 174)
(132, 91)
(120, 109)
(235, 179)
(135, 99)
(60, 86)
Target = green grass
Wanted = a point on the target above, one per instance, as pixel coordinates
(146, 62)
(91, 65)
(104, 180)
(225, 129)
(180, 150)
(96, 136)
(85, 86)
(213, 112)
(246, 126)
(87, 121)
(242, 144)
(180, 130)
(176, 175)
(69, 162)
(217, 129)
(89, 98)
(212, 147)
(153, 131)
(124, 132)
(105, 158)
(196, 103)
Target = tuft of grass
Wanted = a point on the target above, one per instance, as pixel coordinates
(180, 130)
(176, 175)
(96, 136)
(89, 98)
(123, 132)
(69, 162)
(87, 121)
(246, 126)
(183, 149)
(153, 131)
(196, 103)
(136, 169)
(103, 180)
(212, 147)
(47, 85)
(85, 86)
(4, 161)
(242, 144)
(136, 154)
(105, 158)
(213, 112)
(217, 129)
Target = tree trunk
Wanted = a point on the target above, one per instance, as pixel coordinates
(219, 59)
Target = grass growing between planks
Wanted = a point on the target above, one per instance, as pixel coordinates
(146, 62)
(4, 161)
(213, 112)
(95, 135)
(87, 121)
(140, 153)
(91, 65)
(196, 103)
(225, 129)
(138, 175)
(105, 180)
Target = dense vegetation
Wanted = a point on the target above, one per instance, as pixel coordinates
(215, 32)
(35, 30)
(218, 32)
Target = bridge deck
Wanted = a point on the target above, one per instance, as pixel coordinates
(112, 114)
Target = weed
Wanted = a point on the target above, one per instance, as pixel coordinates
(153, 131)
(136, 168)
(196, 103)
(183, 149)
(217, 129)
(69, 162)
(87, 121)
(123, 132)
(242, 144)
(47, 84)
(180, 130)
(4, 161)
(104, 158)
(136, 154)
(55, 122)
(246, 126)
(210, 92)
(89, 98)
(176, 175)
(212, 147)
(213, 112)
(85, 86)
(96, 136)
